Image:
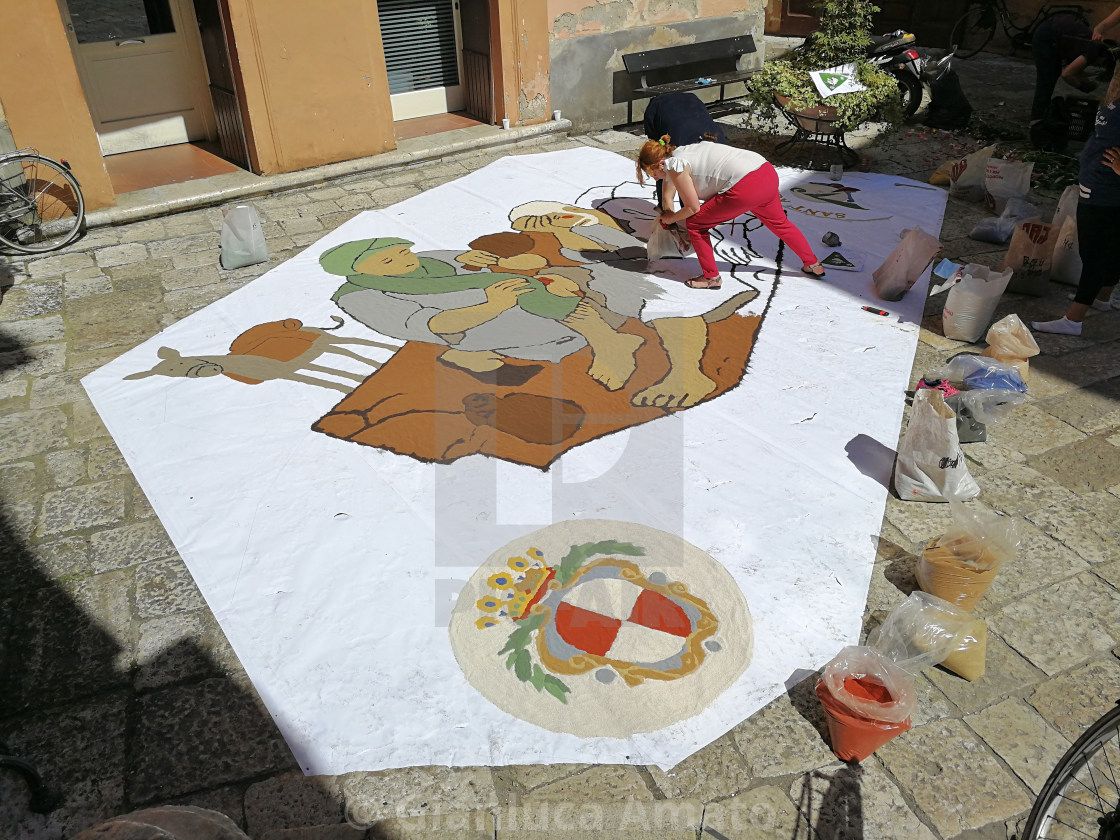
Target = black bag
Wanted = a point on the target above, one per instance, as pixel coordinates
(949, 108)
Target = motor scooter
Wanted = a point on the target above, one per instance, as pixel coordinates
(893, 53)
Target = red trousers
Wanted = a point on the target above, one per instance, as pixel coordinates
(756, 193)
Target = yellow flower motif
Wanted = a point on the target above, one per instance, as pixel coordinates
(502, 580)
(518, 564)
(535, 552)
(489, 604)
(486, 621)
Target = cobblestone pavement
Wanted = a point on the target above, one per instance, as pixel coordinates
(120, 687)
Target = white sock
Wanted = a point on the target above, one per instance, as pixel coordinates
(1062, 326)
(1102, 305)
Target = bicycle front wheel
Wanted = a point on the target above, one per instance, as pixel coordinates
(1082, 795)
(972, 32)
(41, 204)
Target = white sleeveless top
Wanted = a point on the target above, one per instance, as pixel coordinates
(715, 167)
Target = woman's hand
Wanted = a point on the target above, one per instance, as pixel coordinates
(1111, 159)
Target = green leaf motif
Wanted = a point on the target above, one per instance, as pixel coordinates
(522, 665)
(580, 553)
(510, 660)
(537, 677)
(556, 688)
(518, 639)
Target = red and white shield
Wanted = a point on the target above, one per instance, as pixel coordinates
(620, 620)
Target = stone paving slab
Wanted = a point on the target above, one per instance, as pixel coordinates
(955, 779)
(589, 819)
(1083, 467)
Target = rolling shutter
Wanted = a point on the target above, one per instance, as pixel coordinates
(419, 41)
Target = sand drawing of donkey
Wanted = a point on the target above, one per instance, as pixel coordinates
(270, 351)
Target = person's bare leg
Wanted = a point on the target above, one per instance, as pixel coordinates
(613, 352)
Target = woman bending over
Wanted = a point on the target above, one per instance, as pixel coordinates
(717, 183)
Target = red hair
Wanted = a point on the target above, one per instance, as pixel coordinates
(652, 153)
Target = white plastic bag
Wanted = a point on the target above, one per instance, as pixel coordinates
(905, 264)
(989, 405)
(930, 466)
(1067, 206)
(919, 632)
(242, 238)
(1065, 264)
(1000, 228)
(1010, 342)
(1004, 180)
(972, 300)
(966, 179)
(859, 662)
(1029, 255)
(667, 243)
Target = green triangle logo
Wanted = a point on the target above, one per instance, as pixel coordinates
(837, 260)
(833, 80)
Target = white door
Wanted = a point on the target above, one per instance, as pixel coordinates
(142, 70)
(422, 56)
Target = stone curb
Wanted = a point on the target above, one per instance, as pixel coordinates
(209, 195)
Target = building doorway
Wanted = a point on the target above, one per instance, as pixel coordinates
(142, 71)
(422, 40)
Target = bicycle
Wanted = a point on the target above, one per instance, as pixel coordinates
(1081, 798)
(41, 203)
(975, 28)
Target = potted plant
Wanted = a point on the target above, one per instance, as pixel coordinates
(785, 84)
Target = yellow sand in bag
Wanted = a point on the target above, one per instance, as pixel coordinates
(958, 576)
(972, 647)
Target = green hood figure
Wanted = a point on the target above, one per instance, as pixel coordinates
(387, 264)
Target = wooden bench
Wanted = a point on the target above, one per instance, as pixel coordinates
(681, 68)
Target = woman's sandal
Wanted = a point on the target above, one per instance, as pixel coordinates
(703, 282)
(808, 269)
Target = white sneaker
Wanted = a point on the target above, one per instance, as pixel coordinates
(1061, 326)
(1102, 305)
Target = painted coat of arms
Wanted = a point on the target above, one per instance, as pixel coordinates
(601, 628)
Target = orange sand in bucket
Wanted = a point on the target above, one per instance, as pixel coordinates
(854, 737)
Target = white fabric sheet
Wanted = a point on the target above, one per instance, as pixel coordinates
(332, 567)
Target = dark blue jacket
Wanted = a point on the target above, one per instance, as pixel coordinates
(1100, 186)
(682, 116)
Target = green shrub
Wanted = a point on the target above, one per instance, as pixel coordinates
(843, 36)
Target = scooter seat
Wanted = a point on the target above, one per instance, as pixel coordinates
(890, 41)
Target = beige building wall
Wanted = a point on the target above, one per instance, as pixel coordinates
(314, 81)
(44, 104)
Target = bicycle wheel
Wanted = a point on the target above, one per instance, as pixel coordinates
(41, 204)
(1080, 799)
(972, 32)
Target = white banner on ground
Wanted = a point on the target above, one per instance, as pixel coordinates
(331, 538)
